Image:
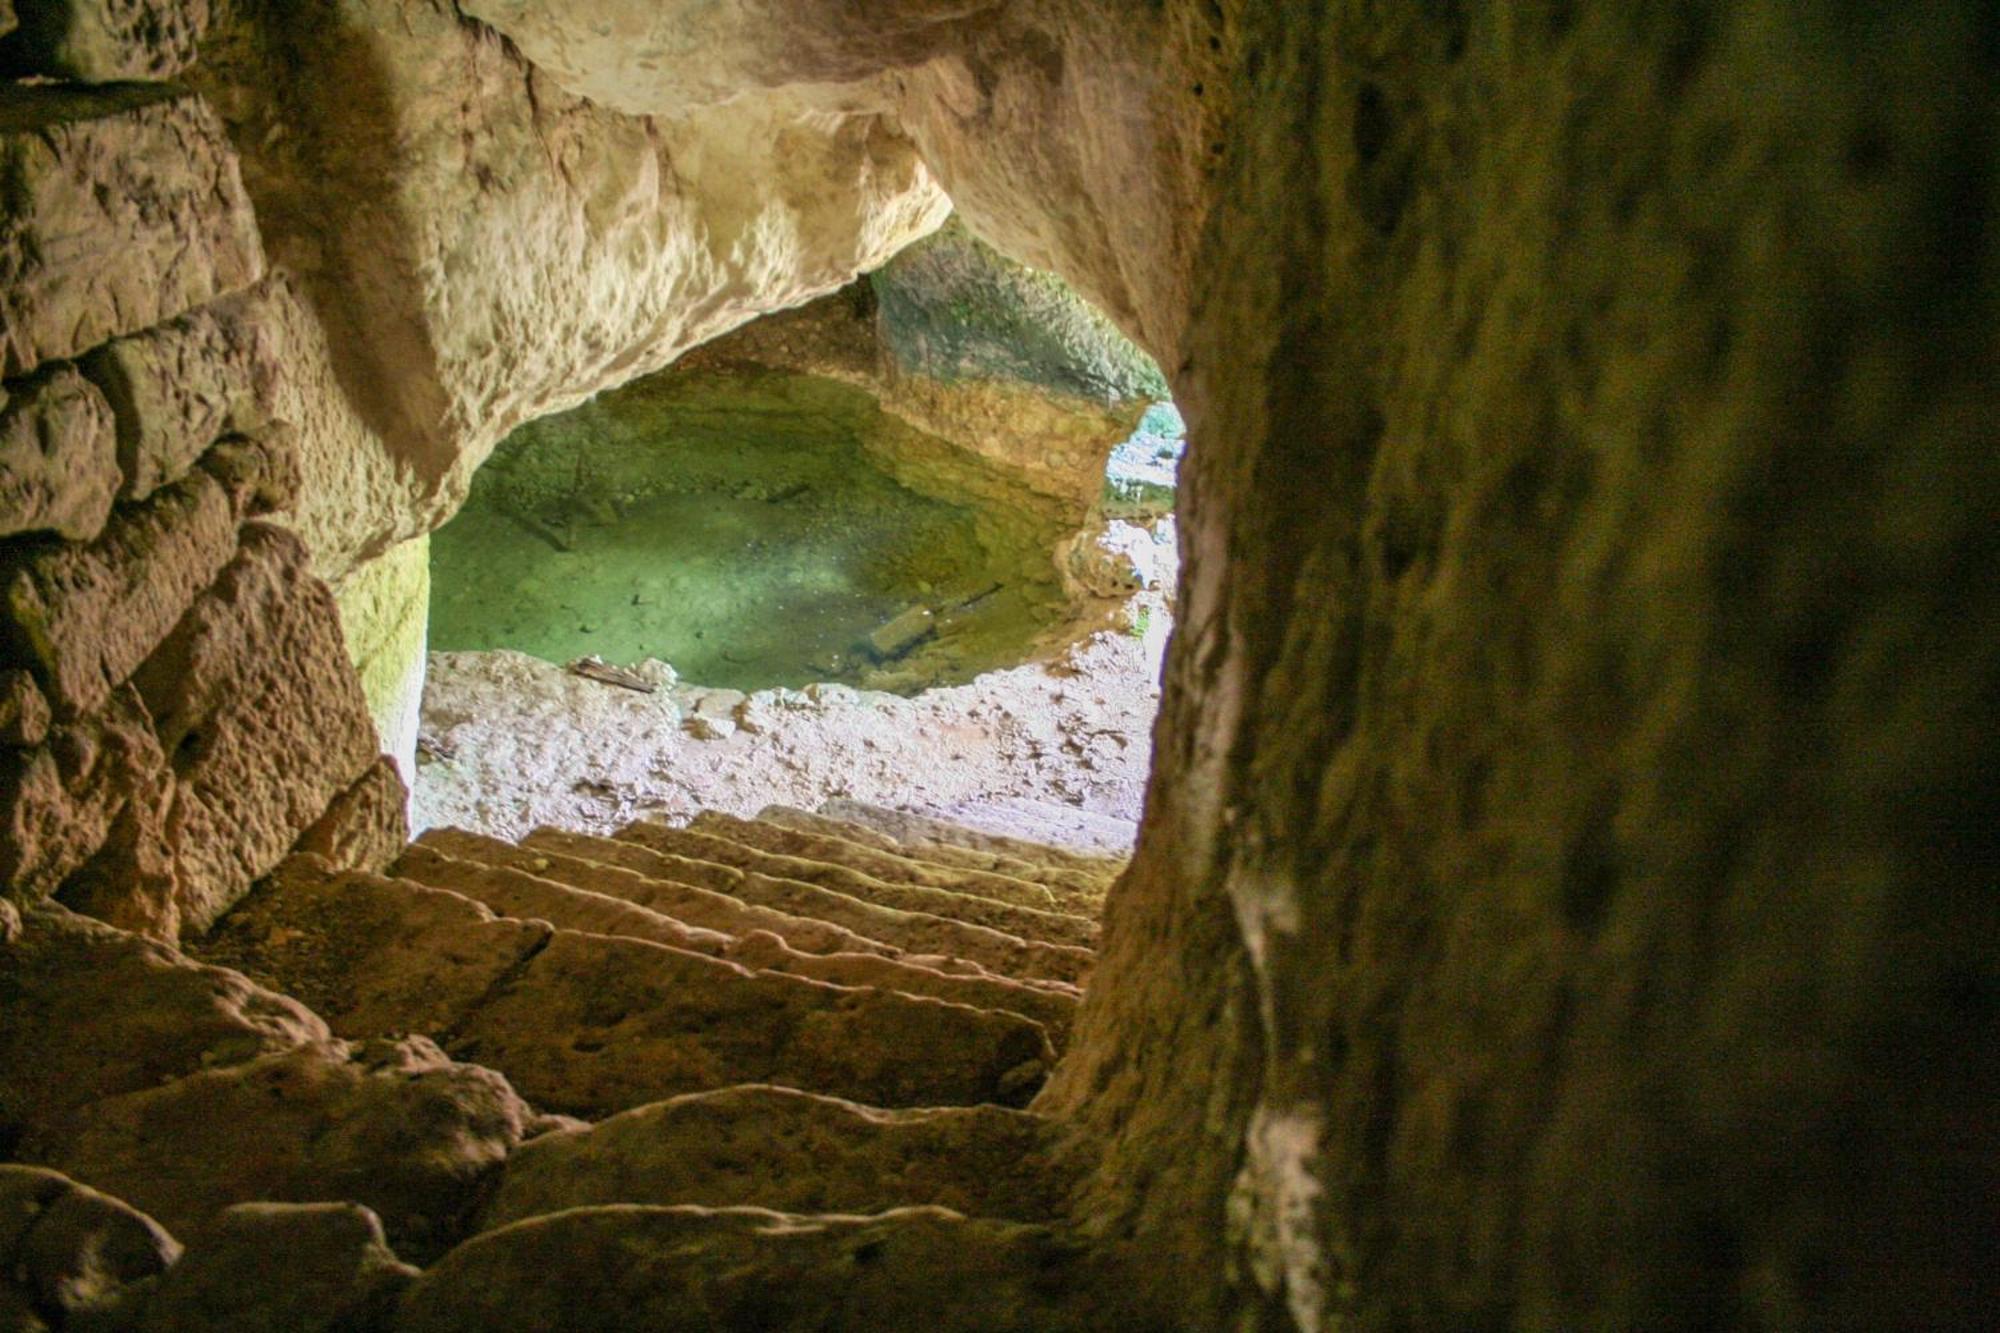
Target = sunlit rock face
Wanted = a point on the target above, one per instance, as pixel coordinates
(468, 245)
(1078, 138)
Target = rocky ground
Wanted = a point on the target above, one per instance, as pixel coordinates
(1057, 749)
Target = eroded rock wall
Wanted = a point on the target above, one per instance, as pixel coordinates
(178, 705)
(469, 246)
(1566, 898)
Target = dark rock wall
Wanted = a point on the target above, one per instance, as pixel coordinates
(1570, 875)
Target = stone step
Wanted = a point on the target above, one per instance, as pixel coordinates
(511, 888)
(1069, 827)
(794, 1152)
(579, 861)
(750, 1270)
(1024, 922)
(1090, 885)
(917, 932)
(889, 867)
(919, 832)
(509, 892)
(653, 880)
(591, 1024)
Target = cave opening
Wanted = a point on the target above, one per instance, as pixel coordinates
(950, 483)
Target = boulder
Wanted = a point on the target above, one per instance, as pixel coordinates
(178, 388)
(366, 826)
(85, 1248)
(261, 717)
(126, 208)
(58, 456)
(393, 1125)
(24, 712)
(94, 1012)
(338, 1273)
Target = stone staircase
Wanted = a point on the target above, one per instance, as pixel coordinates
(756, 1073)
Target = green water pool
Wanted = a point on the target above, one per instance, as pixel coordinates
(741, 532)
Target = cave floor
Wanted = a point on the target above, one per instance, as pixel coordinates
(512, 742)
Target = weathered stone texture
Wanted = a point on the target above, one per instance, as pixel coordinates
(58, 456)
(337, 1273)
(392, 1125)
(79, 1250)
(778, 1148)
(747, 1270)
(24, 712)
(60, 800)
(95, 1012)
(366, 826)
(83, 617)
(104, 41)
(126, 208)
(178, 388)
(1566, 895)
(261, 717)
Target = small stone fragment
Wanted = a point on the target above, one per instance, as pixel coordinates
(366, 826)
(900, 635)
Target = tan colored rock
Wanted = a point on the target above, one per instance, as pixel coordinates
(601, 866)
(366, 826)
(106, 41)
(391, 1125)
(911, 932)
(84, 1248)
(178, 388)
(748, 1270)
(527, 897)
(60, 800)
(94, 1012)
(338, 1273)
(127, 209)
(793, 1152)
(1030, 924)
(511, 890)
(595, 1024)
(372, 955)
(24, 712)
(261, 717)
(923, 835)
(891, 868)
(518, 248)
(58, 456)
(130, 880)
(84, 617)
(1088, 885)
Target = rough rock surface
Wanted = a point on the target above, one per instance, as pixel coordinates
(365, 827)
(261, 715)
(338, 1273)
(126, 208)
(68, 1251)
(60, 799)
(748, 1269)
(392, 1125)
(95, 1012)
(104, 41)
(473, 246)
(58, 456)
(793, 1152)
(178, 388)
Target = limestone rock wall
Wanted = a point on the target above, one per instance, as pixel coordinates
(468, 245)
(1566, 899)
(178, 705)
